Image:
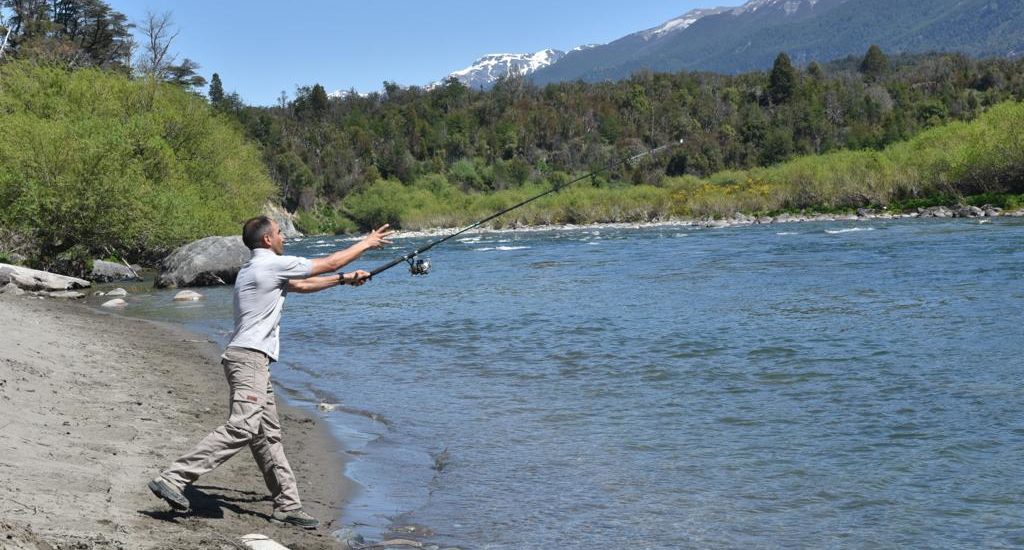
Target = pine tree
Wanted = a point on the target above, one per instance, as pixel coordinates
(815, 71)
(185, 75)
(216, 92)
(782, 82)
(318, 99)
(875, 64)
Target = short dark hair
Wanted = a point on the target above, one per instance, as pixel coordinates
(254, 230)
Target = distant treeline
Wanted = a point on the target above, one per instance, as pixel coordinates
(321, 150)
(978, 162)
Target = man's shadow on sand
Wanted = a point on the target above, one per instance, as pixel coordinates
(209, 501)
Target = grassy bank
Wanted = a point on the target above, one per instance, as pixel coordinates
(976, 163)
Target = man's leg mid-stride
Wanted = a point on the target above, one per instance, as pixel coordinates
(268, 452)
(252, 422)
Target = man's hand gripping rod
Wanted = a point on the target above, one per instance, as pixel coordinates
(410, 258)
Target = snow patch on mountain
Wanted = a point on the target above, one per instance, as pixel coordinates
(789, 6)
(689, 18)
(484, 72)
(342, 94)
(680, 23)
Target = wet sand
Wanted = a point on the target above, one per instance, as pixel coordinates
(94, 405)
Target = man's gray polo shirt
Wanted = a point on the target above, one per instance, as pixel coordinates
(260, 288)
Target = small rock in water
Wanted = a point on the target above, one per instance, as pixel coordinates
(116, 302)
(326, 407)
(118, 292)
(187, 296)
(349, 537)
(69, 294)
(441, 459)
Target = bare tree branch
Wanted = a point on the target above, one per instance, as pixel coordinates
(159, 33)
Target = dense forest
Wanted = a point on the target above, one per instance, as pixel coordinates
(321, 149)
(110, 147)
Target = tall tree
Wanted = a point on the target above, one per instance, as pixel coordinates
(158, 32)
(318, 99)
(158, 60)
(783, 79)
(875, 64)
(185, 74)
(216, 92)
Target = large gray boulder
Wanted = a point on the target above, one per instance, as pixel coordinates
(108, 272)
(206, 262)
(33, 279)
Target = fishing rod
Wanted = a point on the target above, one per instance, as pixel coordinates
(421, 266)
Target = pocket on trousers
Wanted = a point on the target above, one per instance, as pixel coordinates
(247, 411)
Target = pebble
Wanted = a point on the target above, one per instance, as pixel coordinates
(187, 296)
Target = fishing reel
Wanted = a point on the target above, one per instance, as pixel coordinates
(419, 266)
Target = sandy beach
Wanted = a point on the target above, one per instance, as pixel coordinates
(93, 405)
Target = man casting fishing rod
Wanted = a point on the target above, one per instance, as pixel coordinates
(260, 290)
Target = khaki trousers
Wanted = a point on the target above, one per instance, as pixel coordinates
(252, 422)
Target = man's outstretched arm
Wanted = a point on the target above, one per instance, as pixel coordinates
(316, 284)
(376, 239)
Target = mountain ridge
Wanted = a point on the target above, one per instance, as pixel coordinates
(748, 37)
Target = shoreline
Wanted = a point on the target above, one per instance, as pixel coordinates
(96, 404)
(737, 220)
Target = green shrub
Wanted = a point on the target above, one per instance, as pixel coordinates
(90, 159)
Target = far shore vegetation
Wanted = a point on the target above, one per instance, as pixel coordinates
(109, 154)
(979, 162)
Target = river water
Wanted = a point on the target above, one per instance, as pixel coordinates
(828, 384)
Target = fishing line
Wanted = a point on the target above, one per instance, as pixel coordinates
(421, 266)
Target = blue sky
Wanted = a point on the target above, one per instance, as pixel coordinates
(261, 47)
